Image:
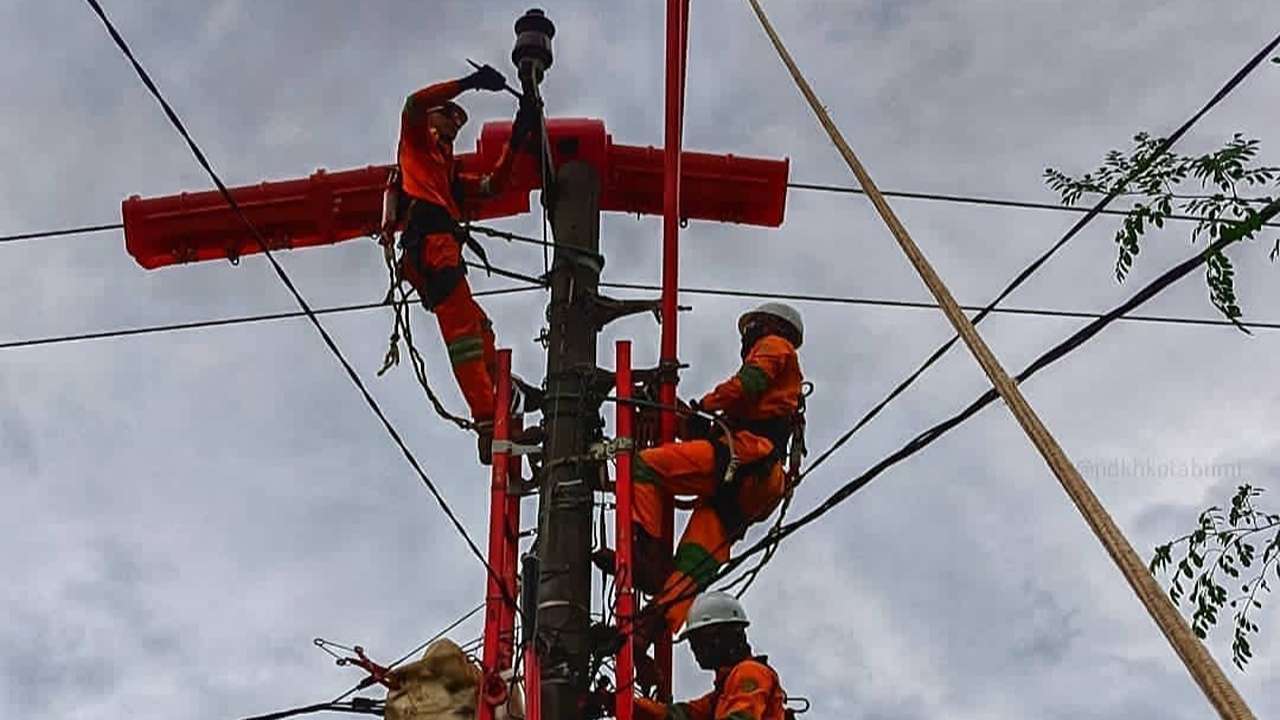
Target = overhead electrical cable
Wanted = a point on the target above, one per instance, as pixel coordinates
(991, 202)
(40, 234)
(297, 295)
(715, 292)
(1047, 358)
(1200, 664)
(222, 322)
(816, 187)
(1075, 229)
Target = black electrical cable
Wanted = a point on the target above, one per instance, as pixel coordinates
(882, 302)
(718, 292)
(1057, 352)
(82, 230)
(990, 202)
(220, 322)
(1075, 229)
(359, 706)
(297, 295)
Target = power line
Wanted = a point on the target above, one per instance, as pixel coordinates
(1075, 229)
(221, 322)
(913, 304)
(1047, 358)
(714, 292)
(297, 295)
(987, 201)
(82, 230)
(817, 187)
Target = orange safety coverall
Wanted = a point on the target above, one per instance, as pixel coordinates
(749, 690)
(429, 174)
(767, 387)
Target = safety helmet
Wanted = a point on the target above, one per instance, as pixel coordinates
(714, 608)
(450, 107)
(780, 311)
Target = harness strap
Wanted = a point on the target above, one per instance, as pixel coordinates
(431, 219)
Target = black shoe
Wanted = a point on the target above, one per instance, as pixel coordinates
(484, 443)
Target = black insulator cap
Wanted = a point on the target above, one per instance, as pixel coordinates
(533, 38)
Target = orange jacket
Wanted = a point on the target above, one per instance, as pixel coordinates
(427, 168)
(749, 690)
(767, 385)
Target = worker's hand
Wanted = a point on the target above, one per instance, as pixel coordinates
(527, 122)
(692, 424)
(486, 78)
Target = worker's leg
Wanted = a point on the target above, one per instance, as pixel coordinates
(469, 340)
(679, 468)
(706, 541)
(702, 550)
(438, 277)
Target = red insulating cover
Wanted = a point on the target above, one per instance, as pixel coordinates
(326, 208)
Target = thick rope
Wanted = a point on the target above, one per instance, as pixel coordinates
(398, 298)
(1203, 668)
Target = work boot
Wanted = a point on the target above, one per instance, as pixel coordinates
(484, 441)
(530, 436)
(651, 564)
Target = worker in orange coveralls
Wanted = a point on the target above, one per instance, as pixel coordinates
(746, 687)
(759, 405)
(432, 239)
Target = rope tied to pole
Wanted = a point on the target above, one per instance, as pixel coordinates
(1199, 663)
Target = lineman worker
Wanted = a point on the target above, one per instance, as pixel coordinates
(746, 687)
(432, 239)
(759, 405)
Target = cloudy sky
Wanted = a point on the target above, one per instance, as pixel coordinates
(184, 512)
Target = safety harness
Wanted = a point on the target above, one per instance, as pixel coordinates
(786, 434)
(421, 219)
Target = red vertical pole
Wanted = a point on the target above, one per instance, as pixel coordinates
(510, 569)
(496, 610)
(625, 669)
(676, 46)
(532, 684)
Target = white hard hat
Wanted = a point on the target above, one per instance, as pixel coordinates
(781, 311)
(714, 608)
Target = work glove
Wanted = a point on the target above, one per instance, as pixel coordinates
(527, 122)
(486, 78)
(694, 426)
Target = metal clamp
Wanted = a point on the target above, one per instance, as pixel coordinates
(513, 448)
(608, 449)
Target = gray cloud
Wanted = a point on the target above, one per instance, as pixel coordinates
(185, 512)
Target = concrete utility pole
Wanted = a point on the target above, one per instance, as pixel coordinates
(571, 412)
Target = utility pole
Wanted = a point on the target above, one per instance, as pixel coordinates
(571, 413)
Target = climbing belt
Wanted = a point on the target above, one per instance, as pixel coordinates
(1202, 666)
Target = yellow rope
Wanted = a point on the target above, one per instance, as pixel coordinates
(1217, 688)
